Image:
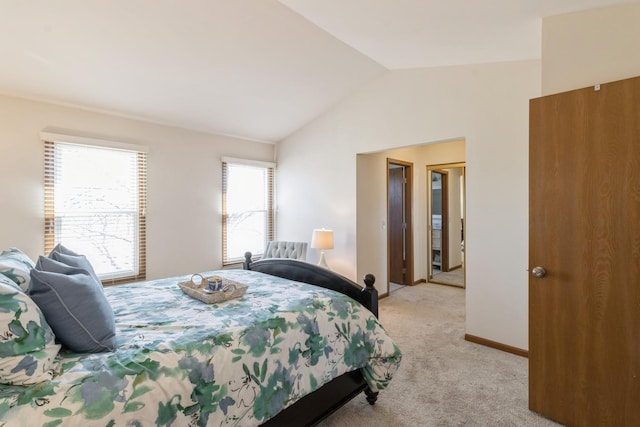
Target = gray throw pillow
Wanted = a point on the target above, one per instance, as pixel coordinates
(74, 305)
(69, 257)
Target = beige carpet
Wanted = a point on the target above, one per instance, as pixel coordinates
(453, 277)
(443, 380)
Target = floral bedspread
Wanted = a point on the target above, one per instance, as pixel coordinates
(182, 362)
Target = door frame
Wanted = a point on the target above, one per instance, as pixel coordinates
(444, 213)
(408, 217)
(441, 168)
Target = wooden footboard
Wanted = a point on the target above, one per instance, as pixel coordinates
(305, 272)
(318, 405)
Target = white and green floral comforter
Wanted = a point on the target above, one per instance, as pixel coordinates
(181, 362)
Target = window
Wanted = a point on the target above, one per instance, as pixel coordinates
(247, 208)
(95, 198)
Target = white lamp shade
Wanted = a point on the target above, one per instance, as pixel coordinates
(322, 239)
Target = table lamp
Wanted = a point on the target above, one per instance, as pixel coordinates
(322, 239)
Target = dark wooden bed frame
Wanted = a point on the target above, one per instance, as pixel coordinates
(318, 405)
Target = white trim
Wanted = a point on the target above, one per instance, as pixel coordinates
(248, 162)
(82, 140)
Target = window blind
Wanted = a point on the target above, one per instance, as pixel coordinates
(247, 209)
(95, 201)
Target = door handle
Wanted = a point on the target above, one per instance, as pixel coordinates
(538, 272)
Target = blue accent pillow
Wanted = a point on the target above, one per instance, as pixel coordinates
(72, 259)
(74, 305)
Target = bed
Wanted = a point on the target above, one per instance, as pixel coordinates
(298, 345)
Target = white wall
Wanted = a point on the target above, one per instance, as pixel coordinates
(487, 105)
(594, 46)
(318, 183)
(184, 225)
(371, 205)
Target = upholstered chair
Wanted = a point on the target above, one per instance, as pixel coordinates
(281, 249)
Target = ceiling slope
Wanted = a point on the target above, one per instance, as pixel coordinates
(250, 68)
(431, 33)
(256, 69)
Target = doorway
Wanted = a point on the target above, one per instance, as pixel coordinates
(372, 228)
(400, 227)
(446, 219)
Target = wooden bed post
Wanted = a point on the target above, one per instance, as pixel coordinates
(369, 280)
(246, 265)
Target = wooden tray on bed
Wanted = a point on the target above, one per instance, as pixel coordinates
(200, 292)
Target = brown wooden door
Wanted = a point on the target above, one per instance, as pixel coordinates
(396, 225)
(584, 315)
(399, 220)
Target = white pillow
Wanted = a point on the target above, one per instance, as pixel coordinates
(6, 281)
(27, 345)
(16, 265)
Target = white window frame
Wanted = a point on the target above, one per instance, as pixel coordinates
(270, 210)
(50, 222)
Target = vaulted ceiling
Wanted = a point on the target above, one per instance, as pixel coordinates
(256, 69)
